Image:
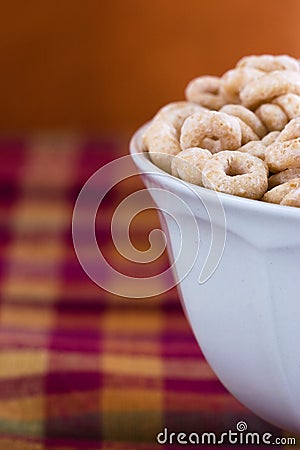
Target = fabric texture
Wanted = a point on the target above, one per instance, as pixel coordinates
(80, 367)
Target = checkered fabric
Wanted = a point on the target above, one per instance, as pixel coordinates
(81, 368)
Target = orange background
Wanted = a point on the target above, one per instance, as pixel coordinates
(108, 65)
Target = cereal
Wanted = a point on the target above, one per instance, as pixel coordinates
(269, 63)
(237, 173)
(278, 193)
(248, 134)
(270, 138)
(292, 198)
(234, 80)
(206, 92)
(269, 86)
(162, 137)
(251, 126)
(283, 155)
(189, 163)
(290, 104)
(272, 116)
(283, 177)
(255, 148)
(235, 129)
(212, 130)
(291, 131)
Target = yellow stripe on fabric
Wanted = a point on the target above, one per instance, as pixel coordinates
(131, 400)
(128, 345)
(27, 317)
(31, 362)
(31, 408)
(142, 222)
(23, 362)
(132, 427)
(32, 215)
(133, 321)
(116, 364)
(133, 365)
(137, 291)
(16, 444)
(37, 251)
(18, 288)
(32, 269)
(24, 409)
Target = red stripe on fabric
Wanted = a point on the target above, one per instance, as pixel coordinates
(77, 340)
(12, 159)
(187, 385)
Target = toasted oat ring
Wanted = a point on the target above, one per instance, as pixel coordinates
(283, 177)
(283, 155)
(211, 130)
(267, 87)
(189, 163)
(290, 103)
(272, 116)
(161, 138)
(269, 63)
(236, 173)
(254, 148)
(290, 131)
(176, 112)
(270, 138)
(234, 80)
(251, 126)
(278, 193)
(292, 198)
(248, 134)
(205, 91)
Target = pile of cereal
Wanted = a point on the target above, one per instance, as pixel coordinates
(238, 134)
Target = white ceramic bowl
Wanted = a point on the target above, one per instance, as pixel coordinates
(246, 316)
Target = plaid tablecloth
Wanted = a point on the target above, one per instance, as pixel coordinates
(81, 368)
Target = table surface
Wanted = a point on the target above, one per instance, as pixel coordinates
(80, 367)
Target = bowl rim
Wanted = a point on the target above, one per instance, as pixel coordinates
(147, 167)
